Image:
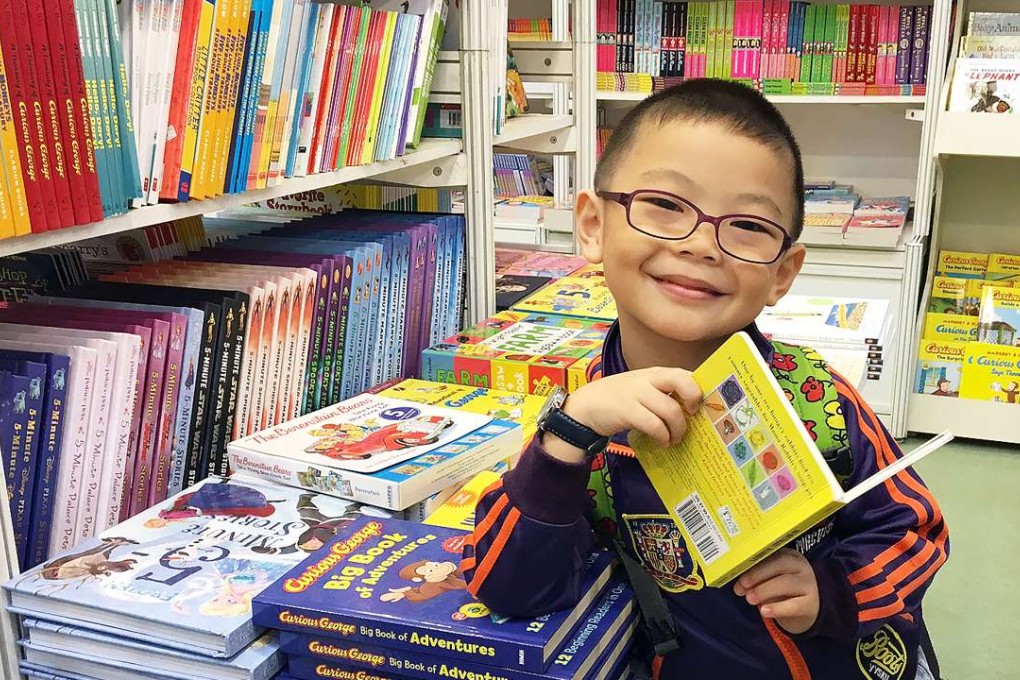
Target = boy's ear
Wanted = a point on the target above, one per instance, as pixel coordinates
(588, 225)
(786, 272)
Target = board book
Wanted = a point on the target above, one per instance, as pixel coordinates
(398, 584)
(591, 652)
(573, 296)
(182, 573)
(458, 511)
(748, 478)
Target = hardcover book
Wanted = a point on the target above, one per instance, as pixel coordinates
(398, 584)
(573, 296)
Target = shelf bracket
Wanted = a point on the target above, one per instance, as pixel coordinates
(554, 142)
(445, 172)
(915, 115)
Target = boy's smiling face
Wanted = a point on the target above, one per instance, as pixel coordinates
(690, 291)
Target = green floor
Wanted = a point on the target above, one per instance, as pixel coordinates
(974, 605)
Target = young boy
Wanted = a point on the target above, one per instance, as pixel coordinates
(697, 207)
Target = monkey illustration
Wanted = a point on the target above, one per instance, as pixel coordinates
(93, 562)
(435, 578)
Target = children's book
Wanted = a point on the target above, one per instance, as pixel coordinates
(999, 320)
(962, 265)
(948, 296)
(511, 289)
(546, 264)
(258, 661)
(939, 368)
(748, 478)
(458, 511)
(182, 574)
(398, 584)
(1003, 267)
(585, 298)
(985, 86)
(991, 373)
(975, 293)
(955, 327)
(592, 652)
(807, 319)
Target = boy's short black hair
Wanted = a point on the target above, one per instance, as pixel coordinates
(745, 111)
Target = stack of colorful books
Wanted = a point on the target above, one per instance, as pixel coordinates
(388, 600)
(168, 593)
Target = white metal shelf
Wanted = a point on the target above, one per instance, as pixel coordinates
(430, 151)
(913, 100)
(531, 125)
(977, 134)
(969, 418)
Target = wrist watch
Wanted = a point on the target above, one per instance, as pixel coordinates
(552, 419)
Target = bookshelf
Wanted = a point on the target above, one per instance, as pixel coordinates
(875, 100)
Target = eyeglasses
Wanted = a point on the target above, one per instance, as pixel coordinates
(669, 217)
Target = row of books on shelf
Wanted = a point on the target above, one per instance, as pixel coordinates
(986, 72)
(530, 30)
(970, 343)
(278, 318)
(782, 46)
(521, 174)
(837, 213)
(101, 109)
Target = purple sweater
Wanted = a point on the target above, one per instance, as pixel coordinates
(874, 559)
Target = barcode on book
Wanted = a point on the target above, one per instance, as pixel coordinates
(451, 119)
(706, 538)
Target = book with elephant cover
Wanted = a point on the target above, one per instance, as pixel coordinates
(748, 478)
(398, 584)
(183, 573)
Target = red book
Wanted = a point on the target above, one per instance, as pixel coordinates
(24, 120)
(367, 85)
(343, 83)
(81, 112)
(83, 208)
(853, 44)
(871, 46)
(340, 12)
(35, 16)
(177, 121)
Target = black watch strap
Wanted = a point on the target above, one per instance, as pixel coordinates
(574, 433)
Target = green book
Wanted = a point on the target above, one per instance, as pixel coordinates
(818, 58)
(352, 92)
(727, 42)
(808, 48)
(831, 12)
(712, 34)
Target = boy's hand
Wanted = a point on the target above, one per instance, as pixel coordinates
(784, 588)
(653, 400)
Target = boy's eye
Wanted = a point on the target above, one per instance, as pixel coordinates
(663, 203)
(750, 226)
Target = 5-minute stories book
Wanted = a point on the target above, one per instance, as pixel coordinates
(748, 478)
(398, 584)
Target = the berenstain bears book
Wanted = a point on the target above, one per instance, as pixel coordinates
(747, 478)
(399, 585)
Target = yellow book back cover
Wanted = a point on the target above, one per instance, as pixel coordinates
(959, 327)
(999, 323)
(458, 512)
(962, 265)
(747, 478)
(991, 373)
(1003, 267)
(573, 296)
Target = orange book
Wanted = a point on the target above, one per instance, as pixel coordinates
(202, 179)
(177, 121)
(340, 17)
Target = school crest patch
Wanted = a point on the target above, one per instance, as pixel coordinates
(882, 656)
(659, 547)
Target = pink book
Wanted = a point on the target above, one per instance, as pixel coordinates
(891, 45)
(757, 39)
(739, 45)
(771, 29)
(784, 53)
(883, 32)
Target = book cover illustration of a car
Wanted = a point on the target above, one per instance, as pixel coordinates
(344, 441)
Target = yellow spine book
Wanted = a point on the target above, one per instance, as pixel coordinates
(939, 368)
(240, 13)
(962, 265)
(10, 161)
(197, 101)
(6, 216)
(379, 89)
(999, 322)
(458, 512)
(957, 327)
(204, 155)
(572, 296)
(991, 373)
(1002, 267)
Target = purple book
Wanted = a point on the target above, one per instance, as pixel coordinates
(904, 41)
(406, 116)
(15, 417)
(919, 45)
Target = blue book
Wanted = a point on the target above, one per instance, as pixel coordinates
(304, 74)
(182, 574)
(397, 584)
(48, 458)
(258, 661)
(24, 483)
(13, 423)
(244, 96)
(591, 653)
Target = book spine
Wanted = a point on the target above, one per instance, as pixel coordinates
(388, 25)
(230, 358)
(276, 84)
(121, 95)
(438, 27)
(285, 108)
(363, 106)
(107, 105)
(297, 62)
(197, 99)
(10, 152)
(203, 395)
(892, 45)
(919, 49)
(904, 44)
(239, 39)
(169, 413)
(325, 89)
(237, 138)
(871, 46)
(51, 438)
(254, 125)
(345, 327)
(309, 103)
(145, 458)
(213, 99)
(177, 119)
(356, 91)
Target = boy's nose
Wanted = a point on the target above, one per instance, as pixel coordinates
(701, 243)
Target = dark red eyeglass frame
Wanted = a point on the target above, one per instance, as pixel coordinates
(626, 198)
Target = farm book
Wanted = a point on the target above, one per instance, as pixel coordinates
(590, 654)
(747, 478)
(182, 573)
(398, 584)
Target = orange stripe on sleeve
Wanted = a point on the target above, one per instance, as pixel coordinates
(497, 547)
(794, 659)
(490, 519)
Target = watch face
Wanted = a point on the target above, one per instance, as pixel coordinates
(555, 401)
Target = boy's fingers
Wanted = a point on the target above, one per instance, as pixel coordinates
(793, 607)
(782, 562)
(782, 587)
(668, 410)
(680, 384)
(652, 425)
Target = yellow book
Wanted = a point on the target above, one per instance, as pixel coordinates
(975, 292)
(199, 95)
(991, 373)
(379, 89)
(957, 327)
(205, 156)
(737, 504)
(962, 265)
(10, 161)
(948, 295)
(939, 367)
(458, 512)
(572, 296)
(1002, 267)
(999, 322)
(577, 374)
(6, 216)
(234, 65)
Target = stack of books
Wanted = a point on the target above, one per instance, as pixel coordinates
(970, 345)
(837, 214)
(169, 591)
(388, 598)
(985, 79)
(778, 46)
